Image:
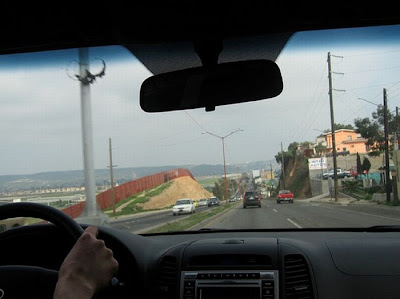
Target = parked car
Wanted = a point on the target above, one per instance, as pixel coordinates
(353, 171)
(184, 206)
(213, 201)
(285, 195)
(251, 198)
(203, 202)
(232, 199)
(340, 174)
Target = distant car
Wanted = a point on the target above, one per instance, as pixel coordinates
(251, 198)
(340, 174)
(203, 202)
(213, 201)
(285, 195)
(184, 206)
(232, 199)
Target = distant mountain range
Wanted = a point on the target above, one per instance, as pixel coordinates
(73, 178)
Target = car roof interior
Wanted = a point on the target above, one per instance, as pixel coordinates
(58, 25)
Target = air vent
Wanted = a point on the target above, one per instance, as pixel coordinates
(168, 277)
(297, 279)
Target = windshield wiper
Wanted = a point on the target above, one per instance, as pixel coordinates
(383, 228)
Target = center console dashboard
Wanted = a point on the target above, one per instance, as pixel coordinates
(236, 268)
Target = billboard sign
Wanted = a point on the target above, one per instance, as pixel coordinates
(317, 163)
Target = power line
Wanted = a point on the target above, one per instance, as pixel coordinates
(373, 70)
(200, 126)
(372, 86)
(372, 53)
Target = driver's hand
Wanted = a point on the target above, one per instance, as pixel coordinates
(88, 267)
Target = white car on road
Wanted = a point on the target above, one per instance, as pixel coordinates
(184, 206)
(203, 202)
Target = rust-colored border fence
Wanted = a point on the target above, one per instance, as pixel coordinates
(127, 189)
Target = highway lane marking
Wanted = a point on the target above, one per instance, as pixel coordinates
(275, 210)
(294, 223)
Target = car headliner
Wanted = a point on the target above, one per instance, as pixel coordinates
(35, 26)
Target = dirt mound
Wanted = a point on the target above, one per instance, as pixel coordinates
(183, 187)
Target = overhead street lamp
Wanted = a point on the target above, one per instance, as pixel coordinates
(223, 154)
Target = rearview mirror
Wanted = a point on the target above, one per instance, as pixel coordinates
(222, 84)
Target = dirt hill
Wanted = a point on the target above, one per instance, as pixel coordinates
(297, 179)
(184, 187)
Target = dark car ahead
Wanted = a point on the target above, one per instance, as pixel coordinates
(213, 201)
(251, 198)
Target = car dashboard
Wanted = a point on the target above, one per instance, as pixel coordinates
(230, 264)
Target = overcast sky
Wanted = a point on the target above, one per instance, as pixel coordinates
(40, 106)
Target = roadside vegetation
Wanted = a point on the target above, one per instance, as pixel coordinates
(132, 204)
(190, 221)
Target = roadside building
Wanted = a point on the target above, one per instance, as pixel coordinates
(347, 141)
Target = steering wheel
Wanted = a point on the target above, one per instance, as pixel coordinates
(29, 281)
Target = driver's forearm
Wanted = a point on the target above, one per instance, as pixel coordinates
(72, 290)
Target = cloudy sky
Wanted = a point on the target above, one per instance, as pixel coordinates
(40, 106)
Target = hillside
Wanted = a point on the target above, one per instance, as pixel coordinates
(184, 187)
(297, 178)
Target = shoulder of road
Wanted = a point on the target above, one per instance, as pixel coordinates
(346, 200)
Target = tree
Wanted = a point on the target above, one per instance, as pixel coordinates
(359, 166)
(373, 130)
(366, 165)
(292, 148)
(340, 127)
(219, 187)
(319, 148)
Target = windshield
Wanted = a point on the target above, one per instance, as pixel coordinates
(183, 202)
(68, 138)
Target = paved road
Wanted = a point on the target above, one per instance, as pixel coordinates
(302, 214)
(141, 222)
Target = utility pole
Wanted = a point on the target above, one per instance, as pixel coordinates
(223, 155)
(283, 167)
(396, 133)
(91, 213)
(334, 154)
(396, 160)
(386, 146)
(112, 176)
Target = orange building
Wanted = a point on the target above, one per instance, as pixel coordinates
(347, 141)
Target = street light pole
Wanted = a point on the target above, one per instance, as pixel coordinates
(225, 180)
(385, 119)
(223, 155)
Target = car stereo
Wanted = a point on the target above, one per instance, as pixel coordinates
(232, 284)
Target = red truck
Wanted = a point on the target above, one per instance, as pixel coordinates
(285, 195)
